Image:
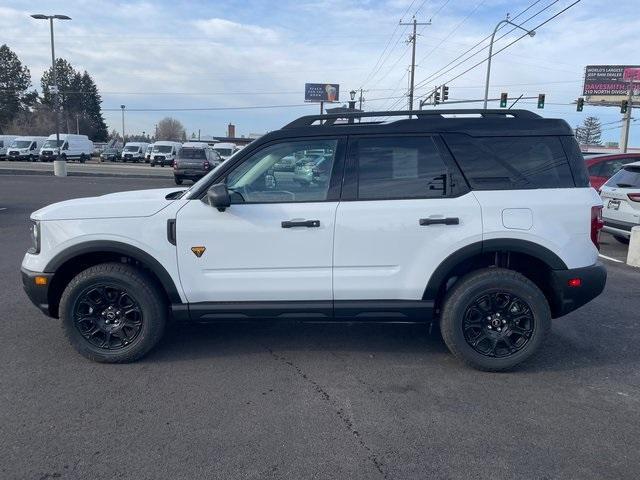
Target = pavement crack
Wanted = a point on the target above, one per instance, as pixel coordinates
(342, 415)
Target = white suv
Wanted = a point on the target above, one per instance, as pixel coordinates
(621, 197)
(485, 225)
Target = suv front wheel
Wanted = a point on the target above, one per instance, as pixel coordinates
(112, 313)
(493, 319)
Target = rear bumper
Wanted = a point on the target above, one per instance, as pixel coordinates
(618, 227)
(187, 173)
(38, 294)
(568, 299)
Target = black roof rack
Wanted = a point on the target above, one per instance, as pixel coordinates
(331, 118)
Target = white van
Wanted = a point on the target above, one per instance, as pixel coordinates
(5, 141)
(134, 151)
(164, 153)
(25, 148)
(225, 149)
(70, 147)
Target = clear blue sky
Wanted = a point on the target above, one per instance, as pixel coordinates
(229, 54)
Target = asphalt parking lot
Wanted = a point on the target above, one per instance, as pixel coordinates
(289, 400)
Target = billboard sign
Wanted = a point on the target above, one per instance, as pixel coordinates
(321, 92)
(610, 83)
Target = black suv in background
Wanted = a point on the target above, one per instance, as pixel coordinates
(194, 161)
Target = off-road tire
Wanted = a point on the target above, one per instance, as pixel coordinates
(483, 282)
(145, 291)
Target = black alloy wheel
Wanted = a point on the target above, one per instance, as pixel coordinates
(498, 324)
(108, 316)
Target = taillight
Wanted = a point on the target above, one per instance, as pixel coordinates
(175, 164)
(596, 224)
(205, 165)
(634, 197)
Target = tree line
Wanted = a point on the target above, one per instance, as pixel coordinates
(23, 111)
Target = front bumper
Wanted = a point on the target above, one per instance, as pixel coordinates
(568, 299)
(38, 294)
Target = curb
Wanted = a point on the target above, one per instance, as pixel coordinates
(14, 171)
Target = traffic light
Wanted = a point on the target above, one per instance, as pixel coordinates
(436, 96)
(624, 106)
(541, 100)
(445, 93)
(580, 104)
(503, 99)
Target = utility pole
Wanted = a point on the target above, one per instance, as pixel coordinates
(624, 135)
(360, 100)
(412, 40)
(77, 124)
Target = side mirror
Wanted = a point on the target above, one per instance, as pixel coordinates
(218, 197)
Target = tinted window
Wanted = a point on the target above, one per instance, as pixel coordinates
(626, 178)
(257, 180)
(610, 167)
(400, 167)
(193, 153)
(503, 163)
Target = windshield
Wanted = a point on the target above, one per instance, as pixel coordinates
(628, 177)
(224, 151)
(21, 144)
(162, 149)
(131, 148)
(52, 143)
(193, 153)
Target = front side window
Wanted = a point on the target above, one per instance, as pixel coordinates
(400, 167)
(257, 181)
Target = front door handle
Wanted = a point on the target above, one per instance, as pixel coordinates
(300, 223)
(440, 221)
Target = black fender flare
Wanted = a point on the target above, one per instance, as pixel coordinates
(441, 273)
(110, 246)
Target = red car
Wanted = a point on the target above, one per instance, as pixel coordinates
(602, 167)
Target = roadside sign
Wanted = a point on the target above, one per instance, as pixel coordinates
(608, 83)
(321, 92)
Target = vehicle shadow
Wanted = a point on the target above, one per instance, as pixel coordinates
(568, 348)
(191, 341)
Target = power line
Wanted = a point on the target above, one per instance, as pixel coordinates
(479, 43)
(207, 109)
(516, 40)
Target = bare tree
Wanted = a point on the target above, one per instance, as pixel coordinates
(170, 129)
(39, 121)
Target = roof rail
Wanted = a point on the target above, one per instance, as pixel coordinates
(330, 118)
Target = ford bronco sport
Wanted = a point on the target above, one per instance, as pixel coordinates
(483, 223)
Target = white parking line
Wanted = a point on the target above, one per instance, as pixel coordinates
(609, 258)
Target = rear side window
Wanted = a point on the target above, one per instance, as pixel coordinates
(505, 163)
(400, 167)
(628, 177)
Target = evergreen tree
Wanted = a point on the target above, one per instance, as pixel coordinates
(79, 100)
(15, 80)
(91, 100)
(589, 132)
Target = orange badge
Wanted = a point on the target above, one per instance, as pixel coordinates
(198, 251)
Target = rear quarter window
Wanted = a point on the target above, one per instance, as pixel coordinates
(628, 177)
(507, 163)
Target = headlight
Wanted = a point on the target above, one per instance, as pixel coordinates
(35, 238)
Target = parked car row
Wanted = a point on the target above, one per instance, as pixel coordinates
(32, 148)
(163, 153)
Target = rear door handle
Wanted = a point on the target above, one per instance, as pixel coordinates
(440, 221)
(300, 223)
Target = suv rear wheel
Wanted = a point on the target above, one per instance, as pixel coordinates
(112, 313)
(493, 319)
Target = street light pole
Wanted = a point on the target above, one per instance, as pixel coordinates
(122, 107)
(493, 36)
(59, 166)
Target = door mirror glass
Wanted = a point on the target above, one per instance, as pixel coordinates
(218, 196)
